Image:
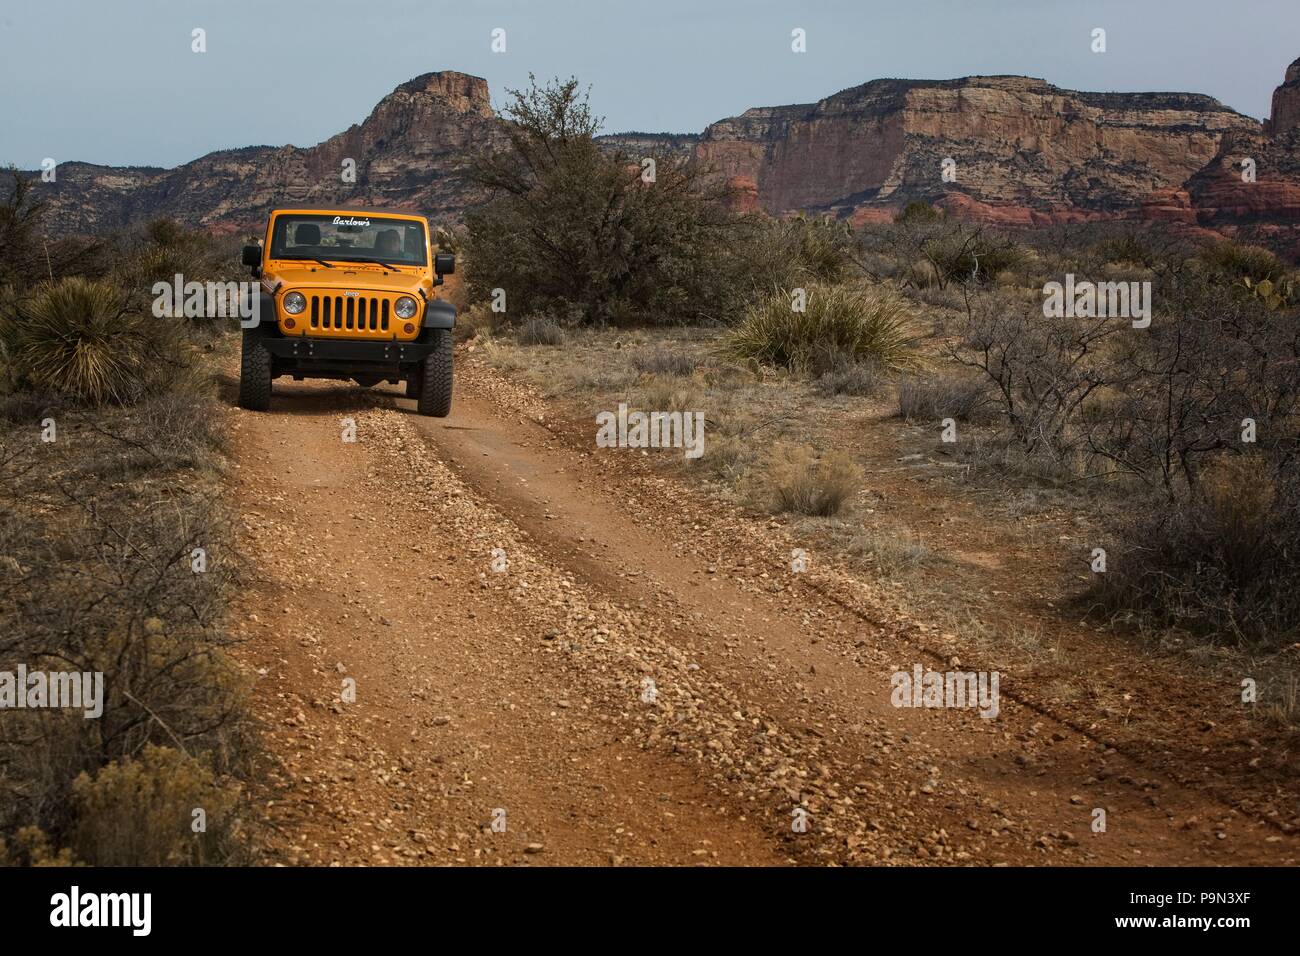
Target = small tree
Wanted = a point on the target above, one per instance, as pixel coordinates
(19, 214)
(585, 230)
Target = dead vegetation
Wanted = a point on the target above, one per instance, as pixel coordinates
(116, 558)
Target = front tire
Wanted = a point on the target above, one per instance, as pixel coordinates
(435, 376)
(255, 373)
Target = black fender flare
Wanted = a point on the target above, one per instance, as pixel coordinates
(268, 322)
(439, 315)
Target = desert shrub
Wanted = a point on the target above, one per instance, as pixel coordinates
(801, 250)
(1233, 262)
(727, 457)
(541, 330)
(835, 373)
(1039, 372)
(97, 577)
(949, 298)
(663, 361)
(859, 379)
(30, 846)
(802, 483)
(81, 338)
(861, 324)
(448, 239)
(665, 393)
(888, 554)
(1180, 395)
(1130, 245)
(140, 812)
(934, 398)
(163, 249)
(938, 250)
(962, 254)
(97, 536)
(478, 320)
(571, 224)
(20, 215)
(1221, 562)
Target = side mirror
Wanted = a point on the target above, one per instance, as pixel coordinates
(444, 263)
(252, 256)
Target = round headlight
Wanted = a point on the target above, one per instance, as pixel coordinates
(405, 307)
(295, 302)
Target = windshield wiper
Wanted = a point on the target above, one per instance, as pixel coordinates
(322, 262)
(385, 264)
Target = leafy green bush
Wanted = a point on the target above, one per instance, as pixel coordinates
(859, 323)
(917, 211)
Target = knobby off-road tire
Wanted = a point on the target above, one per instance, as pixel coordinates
(254, 373)
(435, 377)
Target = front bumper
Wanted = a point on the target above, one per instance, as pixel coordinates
(347, 350)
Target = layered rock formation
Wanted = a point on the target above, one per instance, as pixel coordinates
(1022, 152)
(1286, 104)
(1252, 186)
(408, 153)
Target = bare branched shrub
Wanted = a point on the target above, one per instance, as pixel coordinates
(97, 574)
(931, 249)
(1221, 562)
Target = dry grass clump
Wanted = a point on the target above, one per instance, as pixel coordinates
(800, 482)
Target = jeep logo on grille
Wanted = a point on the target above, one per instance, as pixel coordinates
(353, 294)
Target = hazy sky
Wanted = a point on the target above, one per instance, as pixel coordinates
(115, 81)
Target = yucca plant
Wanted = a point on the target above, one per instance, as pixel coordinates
(859, 323)
(77, 337)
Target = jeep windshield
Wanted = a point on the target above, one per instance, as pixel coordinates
(351, 237)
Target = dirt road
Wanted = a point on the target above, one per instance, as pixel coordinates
(480, 640)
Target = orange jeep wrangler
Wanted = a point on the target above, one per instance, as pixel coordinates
(349, 294)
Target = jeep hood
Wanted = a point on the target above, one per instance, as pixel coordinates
(359, 278)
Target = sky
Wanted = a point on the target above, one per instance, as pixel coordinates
(116, 82)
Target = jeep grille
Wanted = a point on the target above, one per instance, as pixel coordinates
(349, 313)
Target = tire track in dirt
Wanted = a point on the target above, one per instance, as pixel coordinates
(525, 689)
(461, 708)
